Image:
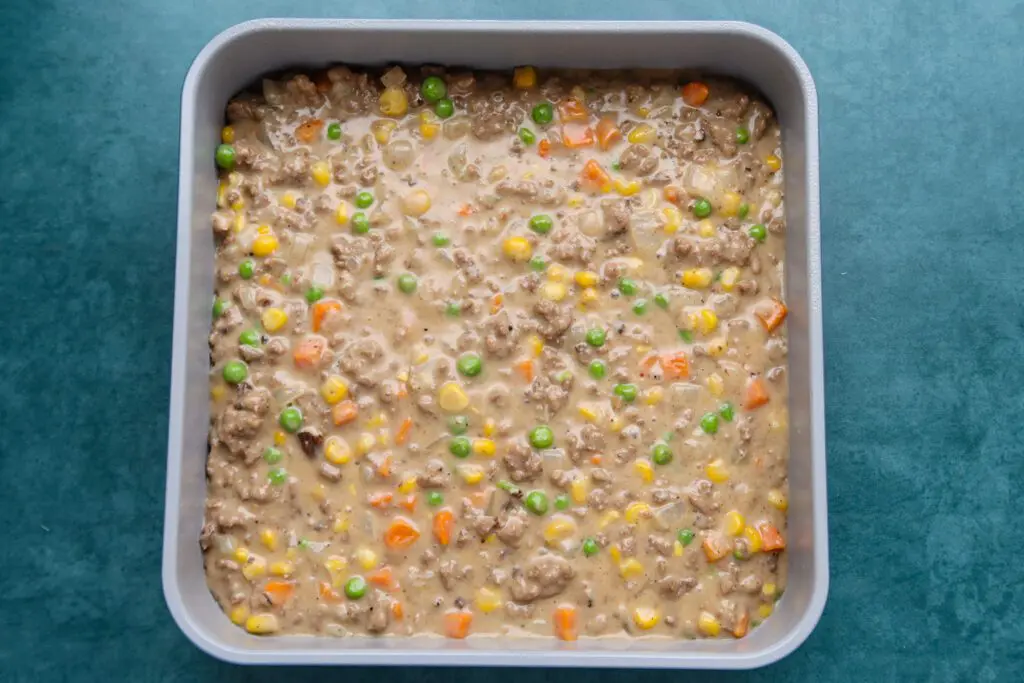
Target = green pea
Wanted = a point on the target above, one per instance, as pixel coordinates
(627, 286)
(627, 392)
(235, 372)
(225, 157)
(590, 547)
(562, 502)
(536, 502)
(469, 365)
(538, 264)
(286, 279)
(458, 424)
(249, 338)
(355, 588)
(543, 113)
(661, 454)
(246, 269)
(364, 200)
(433, 88)
(640, 306)
(597, 369)
(314, 293)
(709, 423)
(563, 377)
(434, 498)
(542, 437)
(460, 446)
(278, 476)
(661, 300)
(744, 210)
(742, 136)
(616, 166)
(702, 208)
(334, 131)
(686, 336)
(440, 239)
(527, 136)
(272, 455)
(685, 536)
(726, 411)
(290, 419)
(453, 309)
(219, 306)
(407, 283)
(596, 337)
(541, 223)
(758, 232)
(360, 223)
(444, 108)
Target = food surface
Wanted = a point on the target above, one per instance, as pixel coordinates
(498, 353)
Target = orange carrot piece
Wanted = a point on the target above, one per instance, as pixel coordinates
(773, 318)
(381, 464)
(344, 412)
(279, 592)
(525, 368)
(322, 309)
(396, 609)
(608, 133)
(328, 594)
(400, 534)
(479, 498)
(771, 538)
(496, 302)
(309, 130)
(382, 578)
(565, 622)
(715, 547)
(544, 148)
(756, 394)
(456, 624)
(402, 435)
(577, 135)
(676, 366)
(309, 352)
(381, 500)
(466, 210)
(594, 177)
(403, 390)
(595, 459)
(444, 524)
(742, 625)
(695, 93)
(671, 194)
(571, 109)
(647, 363)
(409, 502)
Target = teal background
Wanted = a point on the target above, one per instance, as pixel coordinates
(922, 197)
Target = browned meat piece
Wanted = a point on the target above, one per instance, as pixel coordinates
(549, 395)
(378, 616)
(311, 439)
(241, 421)
(587, 441)
(522, 462)
(661, 545)
(639, 159)
(434, 476)
(555, 320)
(543, 577)
(451, 574)
(676, 586)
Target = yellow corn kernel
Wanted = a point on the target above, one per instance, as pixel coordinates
(777, 499)
(254, 568)
(517, 248)
(402, 376)
(753, 538)
(393, 102)
(366, 558)
(269, 538)
(677, 549)
(697, 278)
(715, 383)
(768, 590)
(227, 135)
(382, 130)
(490, 538)
(336, 566)
(643, 112)
(274, 319)
(264, 230)
(642, 134)
(615, 554)
(716, 471)
(384, 437)
(706, 228)
(408, 485)
(578, 490)
(643, 467)
(264, 245)
(337, 451)
(708, 624)
(673, 219)
(239, 614)
(588, 296)
(261, 624)
(645, 618)
(378, 420)
(764, 611)
(608, 517)
(421, 358)
(734, 523)
(452, 398)
(717, 346)
(416, 203)
(654, 395)
(524, 77)
(586, 278)
(341, 524)
(557, 273)
(217, 392)
(636, 511)
(559, 529)
(429, 126)
(484, 447)
(280, 437)
(730, 204)
(576, 201)
(365, 443)
(282, 568)
(490, 426)
(321, 172)
(289, 200)
(536, 345)
(487, 600)
(240, 222)
(334, 389)
(627, 189)
(238, 204)
(773, 162)
(553, 291)
(588, 413)
(631, 568)
(341, 214)
(729, 277)
(617, 424)
(471, 474)
(707, 321)
(318, 493)
(222, 189)
(241, 555)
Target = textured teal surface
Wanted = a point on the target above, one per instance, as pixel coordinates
(922, 196)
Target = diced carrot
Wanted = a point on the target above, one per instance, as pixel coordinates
(525, 368)
(671, 194)
(344, 412)
(279, 592)
(676, 366)
(571, 109)
(715, 547)
(456, 624)
(647, 363)
(383, 578)
(381, 500)
(309, 352)
(409, 502)
(381, 464)
(444, 523)
(608, 133)
(544, 148)
(396, 609)
(577, 135)
(327, 593)
(402, 435)
(466, 210)
(496, 302)
(595, 459)
(565, 622)
(756, 394)
(479, 498)
(403, 390)
(309, 130)
(742, 625)
(695, 93)
(774, 317)
(400, 534)
(595, 178)
(771, 538)
(322, 309)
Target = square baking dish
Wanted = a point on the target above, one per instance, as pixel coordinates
(242, 54)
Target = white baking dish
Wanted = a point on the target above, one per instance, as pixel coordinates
(241, 54)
